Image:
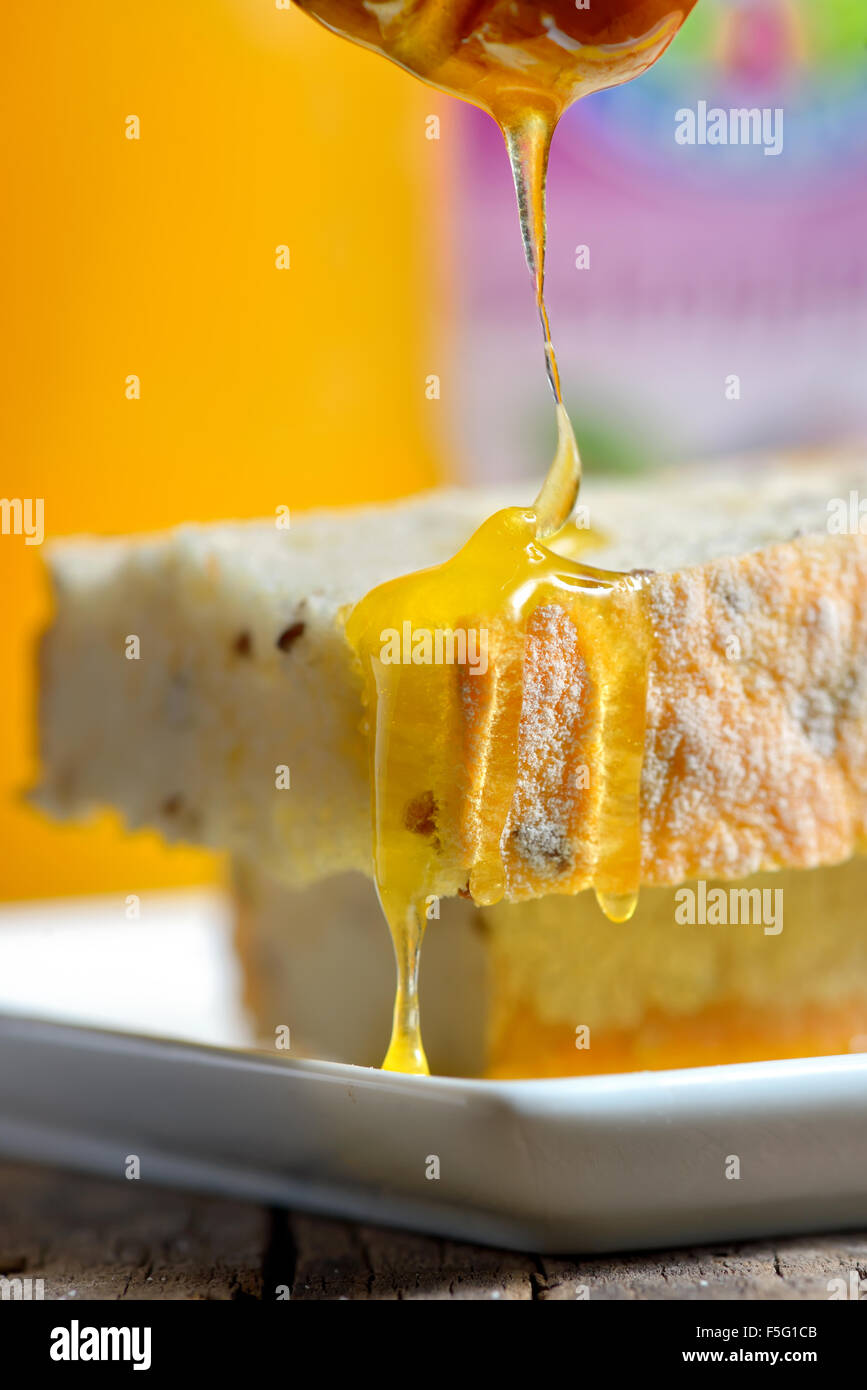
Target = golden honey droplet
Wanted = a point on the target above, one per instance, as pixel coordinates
(406, 1054)
(487, 883)
(618, 907)
(405, 1051)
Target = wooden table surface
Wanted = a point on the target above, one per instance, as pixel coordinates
(91, 1238)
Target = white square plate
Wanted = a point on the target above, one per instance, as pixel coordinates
(590, 1164)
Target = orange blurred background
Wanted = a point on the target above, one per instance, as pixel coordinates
(156, 257)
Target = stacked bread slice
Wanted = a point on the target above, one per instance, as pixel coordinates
(199, 681)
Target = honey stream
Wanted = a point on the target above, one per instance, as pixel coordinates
(524, 63)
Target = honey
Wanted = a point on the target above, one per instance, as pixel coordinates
(445, 739)
(511, 56)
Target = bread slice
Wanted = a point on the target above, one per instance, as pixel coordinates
(185, 673)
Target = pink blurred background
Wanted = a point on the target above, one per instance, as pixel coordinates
(705, 261)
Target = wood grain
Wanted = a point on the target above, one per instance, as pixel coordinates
(91, 1238)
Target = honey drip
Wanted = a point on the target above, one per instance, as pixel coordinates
(445, 756)
(444, 740)
(528, 141)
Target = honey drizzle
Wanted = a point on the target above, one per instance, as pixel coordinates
(444, 743)
(561, 55)
(528, 142)
(406, 1049)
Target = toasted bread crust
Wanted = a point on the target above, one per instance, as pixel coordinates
(755, 747)
(756, 742)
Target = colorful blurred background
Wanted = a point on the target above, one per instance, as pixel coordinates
(156, 257)
(704, 261)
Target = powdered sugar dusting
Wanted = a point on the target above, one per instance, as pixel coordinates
(554, 711)
(757, 712)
